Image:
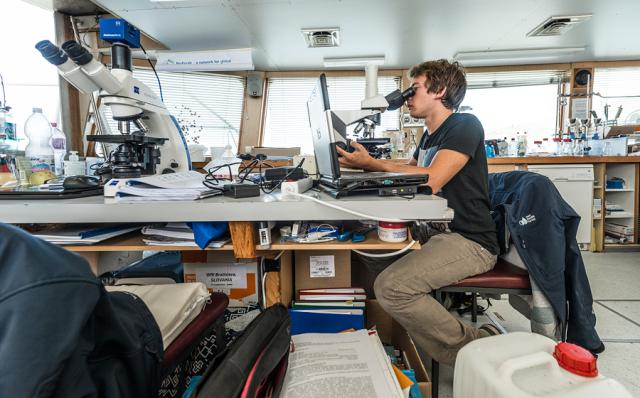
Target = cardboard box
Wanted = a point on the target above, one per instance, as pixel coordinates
(322, 269)
(270, 151)
(220, 272)
(392, 333)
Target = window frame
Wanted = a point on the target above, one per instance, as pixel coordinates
(398, 73)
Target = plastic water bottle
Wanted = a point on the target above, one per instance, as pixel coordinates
(59, 144)
(522, 144)
(512, 148)
(38, 130)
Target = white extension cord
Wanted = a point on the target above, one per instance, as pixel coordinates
(356, 213)
(290, 189)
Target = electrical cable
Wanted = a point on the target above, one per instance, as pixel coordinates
(154, 71)
(283, 179)
(382, 255)
(355, 213)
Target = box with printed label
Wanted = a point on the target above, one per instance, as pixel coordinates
(220, 272)
(322, 269)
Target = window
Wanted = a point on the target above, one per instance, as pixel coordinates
(29, 80)
(208, 107)
(617, 87)
(511, 102)
(287, 122)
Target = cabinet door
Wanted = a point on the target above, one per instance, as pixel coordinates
(575, 183)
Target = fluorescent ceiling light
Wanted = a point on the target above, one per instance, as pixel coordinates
(353, 61)
(516, 54)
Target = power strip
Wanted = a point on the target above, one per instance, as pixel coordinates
(290, 188)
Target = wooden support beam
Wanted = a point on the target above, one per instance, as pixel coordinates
(244, 239)
(69, 95)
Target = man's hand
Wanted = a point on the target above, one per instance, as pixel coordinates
(359, 158)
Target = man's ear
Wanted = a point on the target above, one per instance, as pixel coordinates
(440, 94)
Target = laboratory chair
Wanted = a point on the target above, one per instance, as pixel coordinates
(504, 278)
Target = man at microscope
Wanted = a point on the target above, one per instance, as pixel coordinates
(452, 152)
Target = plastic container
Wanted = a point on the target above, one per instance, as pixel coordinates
(39, 151)
(74, 166)
(527, 365)
(392, 231)
(59, 144)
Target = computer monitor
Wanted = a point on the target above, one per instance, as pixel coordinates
(326, 130)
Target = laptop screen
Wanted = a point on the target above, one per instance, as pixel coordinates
(325, 130)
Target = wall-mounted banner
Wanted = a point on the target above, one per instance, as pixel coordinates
(218, 60)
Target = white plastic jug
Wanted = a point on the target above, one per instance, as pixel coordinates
(522, 365)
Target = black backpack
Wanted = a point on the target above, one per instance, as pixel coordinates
(255, 364)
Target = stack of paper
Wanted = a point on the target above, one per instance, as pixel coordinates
(174, 234)
(85, 235)
(339, 365)
(186, 185)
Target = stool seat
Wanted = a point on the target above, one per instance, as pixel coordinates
(503, 276)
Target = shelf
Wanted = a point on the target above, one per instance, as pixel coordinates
(619, 190)
(133, 242)
(620, 214)
(634, 246)
(372, 242)
(597, 187)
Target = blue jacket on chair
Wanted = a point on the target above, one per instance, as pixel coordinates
(543, 228)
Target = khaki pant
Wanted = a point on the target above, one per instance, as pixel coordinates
(403, 290)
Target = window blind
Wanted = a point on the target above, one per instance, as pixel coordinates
(207, 106)
(287, 122)
(617, 87)
(514, 78)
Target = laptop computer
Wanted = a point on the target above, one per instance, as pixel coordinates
(329, 131)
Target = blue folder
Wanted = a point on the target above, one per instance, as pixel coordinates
(304, 321)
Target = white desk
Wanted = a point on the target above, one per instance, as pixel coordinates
(97, 209)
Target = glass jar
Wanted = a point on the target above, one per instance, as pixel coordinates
(578, 148)
(537, 149)
(557, 146)
(567, 147)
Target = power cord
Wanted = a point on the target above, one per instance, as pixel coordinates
(4, 94)
(382, 255)
(353, 212)
(154, 71)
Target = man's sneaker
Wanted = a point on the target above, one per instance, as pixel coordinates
(488, 330)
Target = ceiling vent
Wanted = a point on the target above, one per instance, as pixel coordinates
(322, 37)
(557, 26)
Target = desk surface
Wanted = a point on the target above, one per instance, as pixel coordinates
(264, 208)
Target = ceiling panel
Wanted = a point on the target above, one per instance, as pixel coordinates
(405, 31)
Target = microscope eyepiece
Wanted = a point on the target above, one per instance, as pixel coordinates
(396, 99)
(51, 52)
(76, 52)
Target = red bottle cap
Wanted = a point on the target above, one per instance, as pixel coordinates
(576, 359)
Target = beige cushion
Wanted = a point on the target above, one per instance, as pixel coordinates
(173, 306)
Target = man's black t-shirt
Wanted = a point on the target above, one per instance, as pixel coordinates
(467, 192)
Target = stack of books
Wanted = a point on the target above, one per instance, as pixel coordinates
(329, 310)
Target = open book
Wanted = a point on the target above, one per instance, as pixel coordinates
(339, 365)
(185, 185)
